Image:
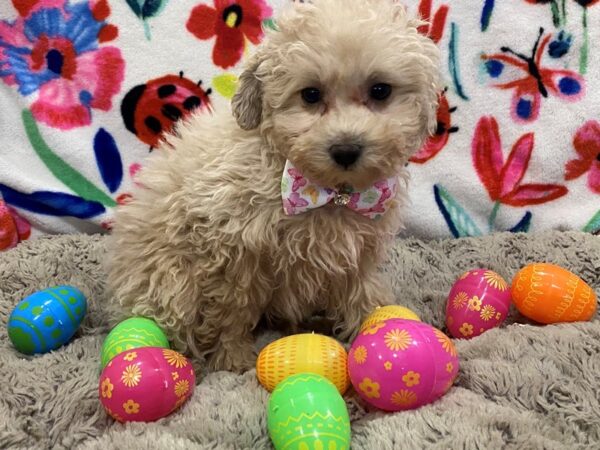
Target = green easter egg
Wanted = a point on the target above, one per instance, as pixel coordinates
(306, 412)
(134, 332)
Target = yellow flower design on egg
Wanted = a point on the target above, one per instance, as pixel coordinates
(466, 329)
(374, 328)
(130, 356)
(487, 312)
(475, 304)
(460, 300)
(131, 375)
(106, 388)
(404, 398)
(182, 387)
(131, 407)
(495, 280)
(174, 358)
(447, 344)
(449, 367)
(387, 365)
(397, 339)
(411, 378)
(370, 388)
(360, 354)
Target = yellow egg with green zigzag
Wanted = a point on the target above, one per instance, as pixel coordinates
(134, 332)
(306, 412)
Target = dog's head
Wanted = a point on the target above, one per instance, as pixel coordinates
(345, 89)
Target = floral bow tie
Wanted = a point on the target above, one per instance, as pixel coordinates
(300, 195)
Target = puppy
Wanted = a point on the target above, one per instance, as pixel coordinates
(285, 205)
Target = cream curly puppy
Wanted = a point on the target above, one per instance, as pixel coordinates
(287, 206)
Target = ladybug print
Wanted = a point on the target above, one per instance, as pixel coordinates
(151, 109)
(436, 143)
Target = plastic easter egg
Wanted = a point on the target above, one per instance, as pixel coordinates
(389, 312)
(299, 353)
(145, 384)
(46, 319)
(132, 333)
(548, 293)
(306, 411)
(402, 364)
(479, 300)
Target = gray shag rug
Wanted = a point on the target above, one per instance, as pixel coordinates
(520, 387)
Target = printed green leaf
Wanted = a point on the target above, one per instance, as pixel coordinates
(270, 24)
(458, 220)
(60, 168)
(225, 84)
(593, 226)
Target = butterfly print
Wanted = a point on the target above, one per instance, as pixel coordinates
(532, 81)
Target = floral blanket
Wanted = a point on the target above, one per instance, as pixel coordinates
(87, 88)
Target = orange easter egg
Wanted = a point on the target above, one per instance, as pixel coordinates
(300, 353)
(548, 293)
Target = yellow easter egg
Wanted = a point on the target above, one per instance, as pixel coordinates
(388, 312)
(301, 353)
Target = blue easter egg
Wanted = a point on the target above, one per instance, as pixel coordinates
(46, 319)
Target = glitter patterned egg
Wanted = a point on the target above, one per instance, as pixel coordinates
(132, 333)
(402, 364)
(548, 293)
(46, 319)
(478, 301)
(307, 412)
(145, 384)
(298, 353)
(389, 312)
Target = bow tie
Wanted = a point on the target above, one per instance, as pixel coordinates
(300, 195)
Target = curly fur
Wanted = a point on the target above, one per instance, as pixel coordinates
(205, 248)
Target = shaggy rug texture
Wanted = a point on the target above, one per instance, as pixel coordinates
(520, 387)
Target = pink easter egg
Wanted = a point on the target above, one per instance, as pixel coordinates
(479, 300)
(402, 364)
(145, 384)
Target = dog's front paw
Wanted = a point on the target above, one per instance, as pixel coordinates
(237, 359)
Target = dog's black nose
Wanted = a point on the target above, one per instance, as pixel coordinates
(345, 154)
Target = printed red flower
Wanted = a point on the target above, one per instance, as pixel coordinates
(587, 146)
(434, 28)
(232, 22)
(13, 227)
(502, 179)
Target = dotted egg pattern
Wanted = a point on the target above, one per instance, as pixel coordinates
(46, 319)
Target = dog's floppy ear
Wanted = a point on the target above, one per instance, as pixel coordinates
(247, 101)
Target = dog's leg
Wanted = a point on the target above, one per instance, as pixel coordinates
(356, 298)
(227, 338)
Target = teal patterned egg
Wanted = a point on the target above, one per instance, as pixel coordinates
(46, 319)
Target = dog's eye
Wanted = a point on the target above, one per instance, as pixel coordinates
(311, 95)
(380, 91)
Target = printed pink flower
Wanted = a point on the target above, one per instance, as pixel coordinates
(502, 179)
(587, 146)
(13, 227)
(53, 48)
